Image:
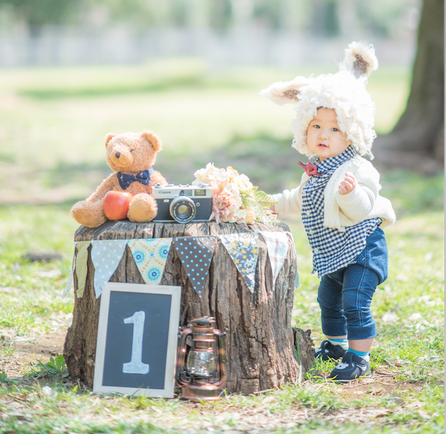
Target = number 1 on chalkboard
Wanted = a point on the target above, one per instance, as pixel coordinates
(136, 366)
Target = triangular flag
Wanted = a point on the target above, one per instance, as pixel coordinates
(293, 246)
(208, 241)
(106, 255)
(81, 266)
(243, 248)
(277, 244)
(293, 243)
(70, 276)
(150, 256)
(196, 256)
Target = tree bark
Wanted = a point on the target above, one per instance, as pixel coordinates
(262, 348)
(417, 141)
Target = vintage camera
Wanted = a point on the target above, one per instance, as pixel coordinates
(183, 203)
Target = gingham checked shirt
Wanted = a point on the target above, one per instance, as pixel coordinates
(332, 249)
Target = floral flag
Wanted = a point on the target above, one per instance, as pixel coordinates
(106, 255)
(196, 256)
(277, 244)
(243, 248)
(150, 256)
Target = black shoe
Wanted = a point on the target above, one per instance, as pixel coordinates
(328, 351)
(351, 368)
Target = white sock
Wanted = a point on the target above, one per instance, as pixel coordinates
(341, 342)
(364, 355)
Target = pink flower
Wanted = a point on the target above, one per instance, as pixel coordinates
(228, 189)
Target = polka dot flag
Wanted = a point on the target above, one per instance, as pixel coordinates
(243, 248)
(195, 254)
(106, 255)
(150, 256)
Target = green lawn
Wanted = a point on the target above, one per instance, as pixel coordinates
(53, 122)
(52, 126)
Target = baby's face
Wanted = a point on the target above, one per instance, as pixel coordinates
(324, 138)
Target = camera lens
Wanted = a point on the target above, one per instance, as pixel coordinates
(182, 209)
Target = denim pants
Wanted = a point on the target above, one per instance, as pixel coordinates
(345, 296)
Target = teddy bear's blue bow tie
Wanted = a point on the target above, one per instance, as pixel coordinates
(143, 177)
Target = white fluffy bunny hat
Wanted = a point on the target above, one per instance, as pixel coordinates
(345, 92)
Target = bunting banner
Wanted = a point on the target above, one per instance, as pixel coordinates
(243, 248)
(277, 245)
(195, 254)
(81, 266)
(150, 256)
(106, 255)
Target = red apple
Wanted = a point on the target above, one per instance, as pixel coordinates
(116, 204)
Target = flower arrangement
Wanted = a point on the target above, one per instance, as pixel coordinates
(234, 198)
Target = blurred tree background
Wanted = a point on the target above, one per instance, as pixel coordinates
(418, 138)
(322, 18)
(73, 70)
(50, 25)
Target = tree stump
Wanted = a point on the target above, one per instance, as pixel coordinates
(262, 348)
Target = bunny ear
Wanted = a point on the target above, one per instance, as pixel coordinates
(360, 59)
(285, 92)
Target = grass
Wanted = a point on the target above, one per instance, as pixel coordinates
(408, 309)
(53, 121)
(55, 368)
(52, 128)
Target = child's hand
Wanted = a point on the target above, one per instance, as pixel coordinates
(348, 184)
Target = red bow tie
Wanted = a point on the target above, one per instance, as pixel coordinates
(310, 169)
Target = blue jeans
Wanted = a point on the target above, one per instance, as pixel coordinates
(345, 296)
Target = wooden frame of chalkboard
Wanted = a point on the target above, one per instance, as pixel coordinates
(136, 348)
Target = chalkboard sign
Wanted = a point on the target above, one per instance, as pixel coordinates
(137, 339)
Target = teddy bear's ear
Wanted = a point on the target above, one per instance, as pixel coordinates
(108, 138)
(153, 139)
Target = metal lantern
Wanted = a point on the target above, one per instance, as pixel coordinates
(203, 372)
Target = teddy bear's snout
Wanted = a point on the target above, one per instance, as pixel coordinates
(121, 158)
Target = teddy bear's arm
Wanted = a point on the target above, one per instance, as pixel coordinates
(89, 212)
(106, 185)
(157, 178)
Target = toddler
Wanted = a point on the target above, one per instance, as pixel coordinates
(338, 198)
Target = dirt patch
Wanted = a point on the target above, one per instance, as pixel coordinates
(20, 353)
(28, 350)
(381, 383)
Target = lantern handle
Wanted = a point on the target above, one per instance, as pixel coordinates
(183, 333)
(221, 356)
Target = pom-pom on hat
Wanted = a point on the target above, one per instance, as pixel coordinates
(345, 92)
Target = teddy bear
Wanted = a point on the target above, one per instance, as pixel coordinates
(131, 156)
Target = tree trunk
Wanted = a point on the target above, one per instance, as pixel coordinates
(262, 349)
(417, 141)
